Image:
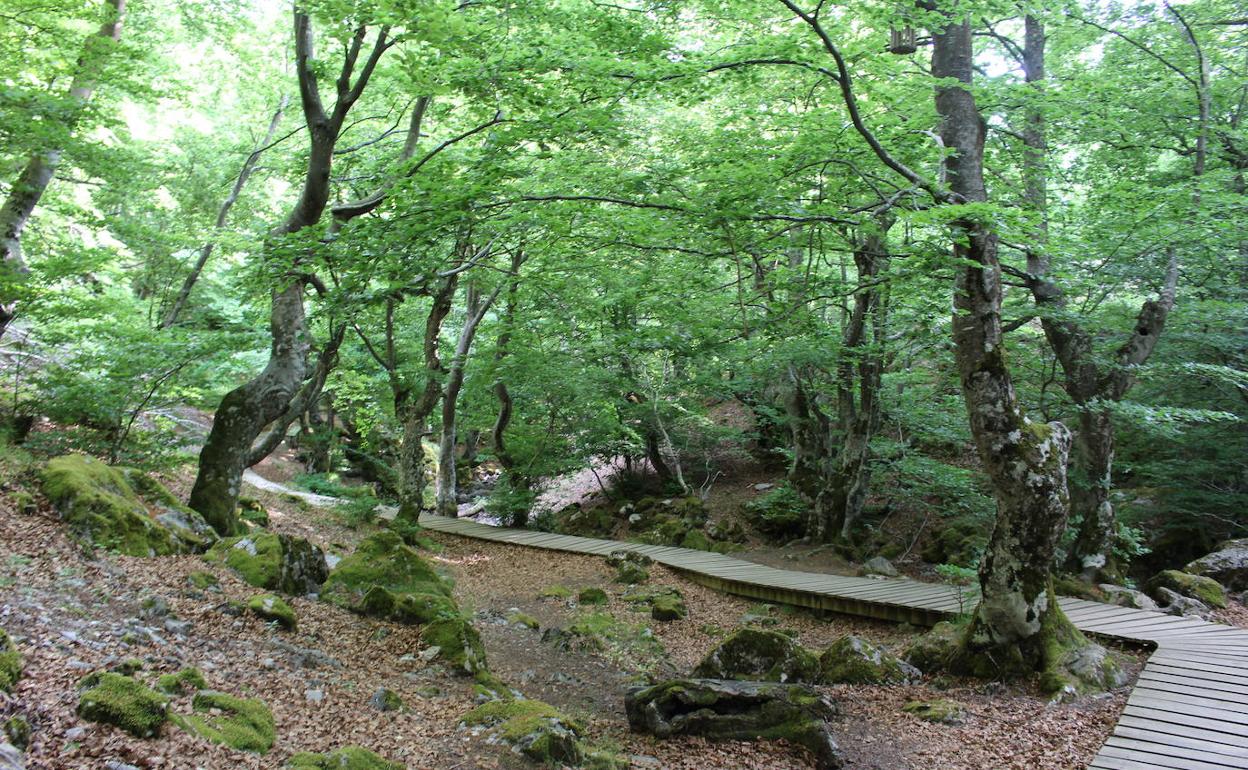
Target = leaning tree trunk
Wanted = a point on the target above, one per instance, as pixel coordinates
(1018, 627)
(245, 411)
(30, 186)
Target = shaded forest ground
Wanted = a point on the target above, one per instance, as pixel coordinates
(73, 613)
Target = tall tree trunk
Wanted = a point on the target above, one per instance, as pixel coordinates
(246, 410)
(414, 414)
(475, 309)
(831, 468)
(205, 251)
(1017, 628)
(503, 349)
(31, 184)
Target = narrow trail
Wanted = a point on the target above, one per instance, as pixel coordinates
(1186, 712)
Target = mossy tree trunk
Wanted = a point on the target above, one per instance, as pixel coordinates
(1017, 620)
(246, 410)
(1086, 381)
(831, 468)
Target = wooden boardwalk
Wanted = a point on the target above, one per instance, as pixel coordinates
(1189, 707)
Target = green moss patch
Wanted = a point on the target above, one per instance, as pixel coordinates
(386, 578)
(121, 509)
(940, 711)
(272, 608)
(759, 655)
(203, 580)
(524, 619)
(186, 680)
(458, 643)
(538, 730)
(123, 702)
(346, 758)
(10, 663)
(592, 596)
(555, 592)
(272, 561)
(240, 723)
(852, 660)
(1199, 587)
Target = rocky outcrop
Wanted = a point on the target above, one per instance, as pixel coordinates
(273, 561)
(727, 710)
(852, 660)
(759, 655)
(1204, 589)
(1227, 564)
(385, 578)
(1128, 597)
(272, 608)
(535, 729)
(121, 509)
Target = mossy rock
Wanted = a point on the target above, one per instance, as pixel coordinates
(1199, 587)
(668, 607)
(555, 592)
(941, 711)
(719, 709)
(386, 699)
(592, 596)
(121, 509)
(622, 556)
(204, 581)
(960, 542)
(128, 667)
(696, 539)
(934, 650)
(759, 655)
(631, 573)
(852, 660)
(1070, 585)
(386, 578)
(10, 663)
(123, 702)
(346, 758)
(276, 562)
(186, 680)
(524, 619)
(17, 731)
(535, 729)
(272, 608)
(245, 724)
(458, 643)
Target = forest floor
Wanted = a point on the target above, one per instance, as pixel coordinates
(74, 612)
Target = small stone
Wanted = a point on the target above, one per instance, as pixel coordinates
(10, 757)
(878, 565)
(941, 711)
(178, 627)
(113, 764)
(763, 487)
(386, 699)
(75, 734)
(314, 696)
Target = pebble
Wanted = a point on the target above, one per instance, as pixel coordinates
(314, 696)
(75, 733)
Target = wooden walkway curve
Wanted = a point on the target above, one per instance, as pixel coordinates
(1189, 707)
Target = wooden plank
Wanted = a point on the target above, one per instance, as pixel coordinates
(1204, 719)
(1148, 694)
(1199, 687)
(1149, 757)
(1182, 741)
(1162, 658)
(1162, 727)
(1239, 678)
(1174, 751)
